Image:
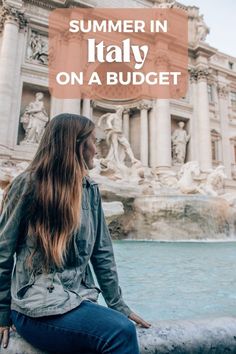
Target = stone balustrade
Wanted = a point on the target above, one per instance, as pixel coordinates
(215, 335)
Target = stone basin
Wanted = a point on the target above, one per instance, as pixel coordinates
(206, 336)
(175, 217)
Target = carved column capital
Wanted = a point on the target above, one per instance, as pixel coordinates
(222, 90)
(202, 73)
(94, 104)
(193, 75)
(144, 106)
(10, 13)
(197, 74)
(162, 59)
(126, 110)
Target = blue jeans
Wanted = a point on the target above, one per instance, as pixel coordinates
(89, 328)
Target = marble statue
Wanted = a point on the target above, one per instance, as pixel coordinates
(202, 29)
(191, 181)
(215, 181)
(34, 119)
(168, 180)
(8, 171)
(117, 142)
(186, 183)
(37, 49)
(113, 165)
(179, 139)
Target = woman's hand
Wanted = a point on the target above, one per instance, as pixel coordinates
(139, 320)
(4, 335)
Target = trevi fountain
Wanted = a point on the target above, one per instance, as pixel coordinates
(173, 228)
(189, 296)
(140, 203)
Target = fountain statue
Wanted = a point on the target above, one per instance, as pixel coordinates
(202, 29)
(8, 171)
(183, 205)
(215, 181)
(34, 119)
(179, 140)
(119, 147)
(163, 206)
(186, 183)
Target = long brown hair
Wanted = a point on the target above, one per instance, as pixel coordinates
(58, 169)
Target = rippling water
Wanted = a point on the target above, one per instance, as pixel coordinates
(180, 280)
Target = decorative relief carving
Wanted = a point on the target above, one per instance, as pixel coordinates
(223, 91)
(37, 48)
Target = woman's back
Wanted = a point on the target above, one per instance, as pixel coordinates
(52, 220)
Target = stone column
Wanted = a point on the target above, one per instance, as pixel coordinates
(193, 122)
(56, 106)
(233, 160)
(223, 108)
(125, 127)
(204, 134)
(86, 108)
(162, 111)
(71, 45)
(92, 106)
(71, 105)
(163, 135)
(153, 135)
(12, 19)
(143, 107)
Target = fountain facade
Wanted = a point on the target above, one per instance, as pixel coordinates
(165, 167)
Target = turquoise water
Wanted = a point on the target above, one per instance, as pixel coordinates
(183, 280)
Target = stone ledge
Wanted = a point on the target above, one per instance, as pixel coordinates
(215, 335)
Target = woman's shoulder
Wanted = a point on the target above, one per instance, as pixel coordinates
(88, 181)
(16, 190)
(22, 178)
(20, 183)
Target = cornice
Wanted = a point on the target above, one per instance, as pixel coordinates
(54, 4)
(202, 50)
(41, 3)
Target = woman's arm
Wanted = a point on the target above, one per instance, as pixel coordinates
(104, 265)
(10, 218)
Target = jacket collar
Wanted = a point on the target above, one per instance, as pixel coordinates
(88, 181)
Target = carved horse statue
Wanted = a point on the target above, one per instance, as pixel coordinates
(186, 183)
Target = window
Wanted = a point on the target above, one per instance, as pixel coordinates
(233, 164)
(214, 150)
(215, 145)
(234, 153)
(231, 65)
(210, 93)
(233, 99)
(233, 144)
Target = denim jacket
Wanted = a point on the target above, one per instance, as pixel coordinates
(57, 292)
